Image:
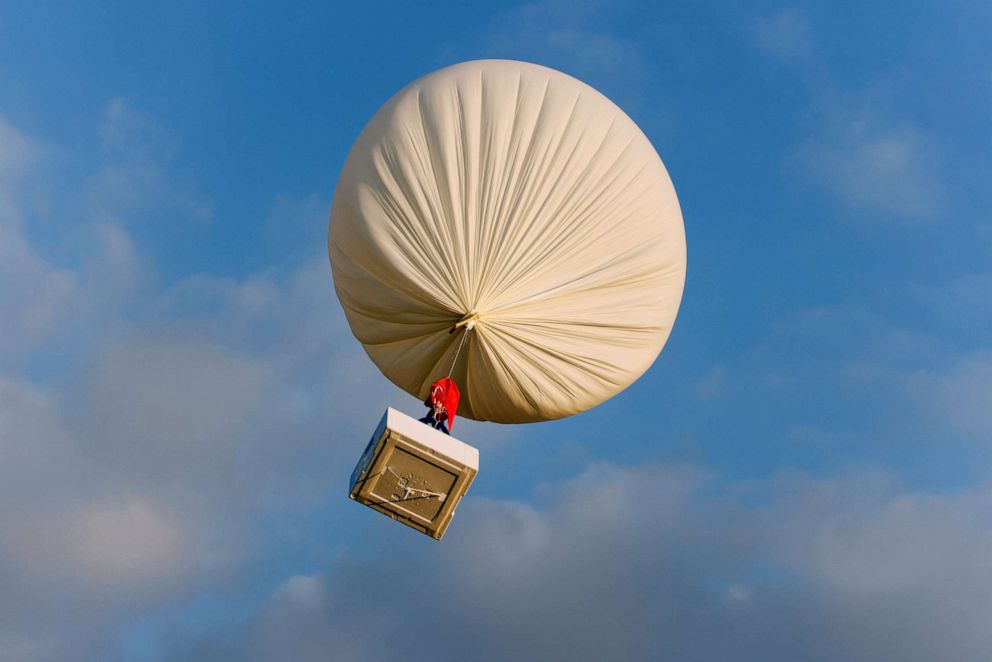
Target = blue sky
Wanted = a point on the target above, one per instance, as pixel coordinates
(803, 474)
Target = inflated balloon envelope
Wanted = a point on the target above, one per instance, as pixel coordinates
(516, 201)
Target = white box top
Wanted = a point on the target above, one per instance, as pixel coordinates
(443, 443)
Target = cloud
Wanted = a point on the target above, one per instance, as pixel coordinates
(859, 147)
(77, 548)
(179, 419)
(887, 378)
(712, 383)
(174, 397)
(960, 309)
(875, 164)
(127, 537)
(958, 395)
(853, 332)
(17, 153)
(114, 543)
(172, 420)
(571, 36)
(136, 172)
(33, 292)
(34, 438)
(923, 369)
(68, 262)
(146, 474)
(150, 478)
(785, 35)
(656, 562)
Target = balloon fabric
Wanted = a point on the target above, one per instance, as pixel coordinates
(518, 198)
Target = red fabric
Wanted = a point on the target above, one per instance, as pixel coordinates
(443, 399)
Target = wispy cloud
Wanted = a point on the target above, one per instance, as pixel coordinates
(182, 413)
(858, 146)
(958, 395)
(135, 172)
(17, 155)
(712, 383)
(875, 164)
(785, 35)
(68, 260)
(669, 562)
(571, 36)
(33, 291)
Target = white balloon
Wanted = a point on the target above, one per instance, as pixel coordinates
(521, 198)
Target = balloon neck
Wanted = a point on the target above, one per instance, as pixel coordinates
(468, 321)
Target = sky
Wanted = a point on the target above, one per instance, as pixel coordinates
(804, 474)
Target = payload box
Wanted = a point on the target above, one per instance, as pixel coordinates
(413, 473)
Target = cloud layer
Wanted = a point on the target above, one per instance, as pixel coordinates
(170, 416)
(655, 562)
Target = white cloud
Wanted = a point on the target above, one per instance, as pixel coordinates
(304, 591)
(853, 333)
(150, 477)
(959, 396)
(923, 369)
(174, 397)
(47, 302)
(179, 418)
(135, 172)
(78, 548)
(120, 544)
(959, 309)
(126, 538)
(785, 34)
(176, 419)
(33, 292)
(658, 563)
(571, 36)
(909, 542)
(906, 378)
(35, 441)
(737, 592)
(17, 153)
(712, 383)
(859, 147)
(874, 163)
(15, 649)
(55, 517)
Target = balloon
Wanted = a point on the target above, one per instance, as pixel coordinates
(518, 198)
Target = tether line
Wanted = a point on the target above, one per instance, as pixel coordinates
(461, 343)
